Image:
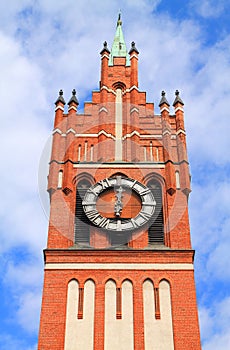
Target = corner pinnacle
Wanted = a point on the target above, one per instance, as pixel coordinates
(177, 99)
(73, 98)
(60, 98)
(163, 99)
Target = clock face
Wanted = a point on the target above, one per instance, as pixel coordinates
(119, 204)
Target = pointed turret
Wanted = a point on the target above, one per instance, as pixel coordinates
(119, 68)
(59, 122)
(59, 110)
(60, 98)
(179, 111)
(73, 98)
(73, 102)
(104, 64)
(119, 47)
(167, 145)
(133, 48)
(163, 100)
(133, 54)
(177, 99)
(105, 48)
(178, 105)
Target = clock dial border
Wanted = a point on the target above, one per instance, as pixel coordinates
(148, 205)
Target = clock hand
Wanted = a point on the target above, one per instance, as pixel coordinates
(118, 204)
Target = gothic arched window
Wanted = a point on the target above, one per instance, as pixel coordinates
(82, 224)
(156, 230)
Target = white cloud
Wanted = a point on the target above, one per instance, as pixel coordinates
(209, 214)
(8, 14)
(209, 8)
(22, 112)
(215, 325)
(29, 310)
(208, 114)
(219, 259)
(23, 275)
(7, 341)
(219, 341)
(23, 282)
(206, 323)
(57, 45)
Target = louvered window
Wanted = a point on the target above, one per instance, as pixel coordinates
(82, 224)
(156, 230)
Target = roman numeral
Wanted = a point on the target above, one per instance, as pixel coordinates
(134, 183)
(150, 204)
(144, 192)
(104, 184)
(104, 223)
(93, 190)
(119, 227)
(88, 203)
(134, 223)
(146, 216)
(92, 214)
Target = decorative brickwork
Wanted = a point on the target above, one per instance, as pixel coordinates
(120, 137)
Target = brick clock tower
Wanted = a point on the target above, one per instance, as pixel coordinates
(119, 264)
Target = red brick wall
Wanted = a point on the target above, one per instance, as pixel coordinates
(184, 309)
(140, 127)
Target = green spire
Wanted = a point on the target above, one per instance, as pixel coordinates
(119, 47)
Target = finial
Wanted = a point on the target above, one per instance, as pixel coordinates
(177, 99)
(163, 99)
(105, 48)
(133, 48)
(60, 98)
(119, 21)
(73, 98)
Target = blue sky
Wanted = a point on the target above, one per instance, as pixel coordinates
(47, 45)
